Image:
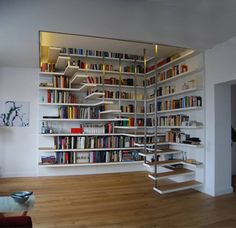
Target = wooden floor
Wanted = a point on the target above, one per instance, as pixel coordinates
(119, 200)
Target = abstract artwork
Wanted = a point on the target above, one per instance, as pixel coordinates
(14, 114)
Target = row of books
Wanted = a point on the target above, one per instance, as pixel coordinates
(91, 157)
(90, 142)
(162, 62)
(89, 52)
(107, 67)
(98, 129)
(172, 120)
(165, 90)
(171, 72)
(55, 96)
(75, 112)
(48, 67)
(131, 122)
(60, 81)
(184, 102)
(131, 69)
(175, 135)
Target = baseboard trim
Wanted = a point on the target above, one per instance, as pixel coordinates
(224, 191)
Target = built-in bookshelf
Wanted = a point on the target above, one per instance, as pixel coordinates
(83, 91)
(102, 107)
(175, 108)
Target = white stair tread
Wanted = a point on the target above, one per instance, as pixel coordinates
(177, 186)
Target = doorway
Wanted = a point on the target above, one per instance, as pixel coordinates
(233, 135)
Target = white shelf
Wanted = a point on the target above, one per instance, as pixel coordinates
(171, 174)
(180, 109)
(151, 99)
(62, 62)
(84, 87)
(71, 104)
(178, 93)
(101, 58)
(181, 58)
(122, 100)
(71, 70)
(131, 114)
(110, 112)
(178, 76)
(110, 72)
(125, 127)
(60, 89)
(95, 95)
(86, 150)
(53, 53)
(83, 134)
(177, 186)
(76, 104)
(122, 86)
(82, 120)
(51, 73)
(186, 145)
(180, 127)
(90, 164)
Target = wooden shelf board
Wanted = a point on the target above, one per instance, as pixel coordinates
(90, 164)
(172, 173)
(177, 186)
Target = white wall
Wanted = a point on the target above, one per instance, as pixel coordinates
(220, 68)
(18, 145)
(233, 122)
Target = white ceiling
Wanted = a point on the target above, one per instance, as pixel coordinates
(198, 24)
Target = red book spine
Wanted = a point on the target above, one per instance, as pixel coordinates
(49, 96)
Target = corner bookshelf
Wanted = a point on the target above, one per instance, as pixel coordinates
(101, 107)
(176, 99)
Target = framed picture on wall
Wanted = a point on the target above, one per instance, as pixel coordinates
(14, 114)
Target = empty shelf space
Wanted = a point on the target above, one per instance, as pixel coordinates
(162, 163)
